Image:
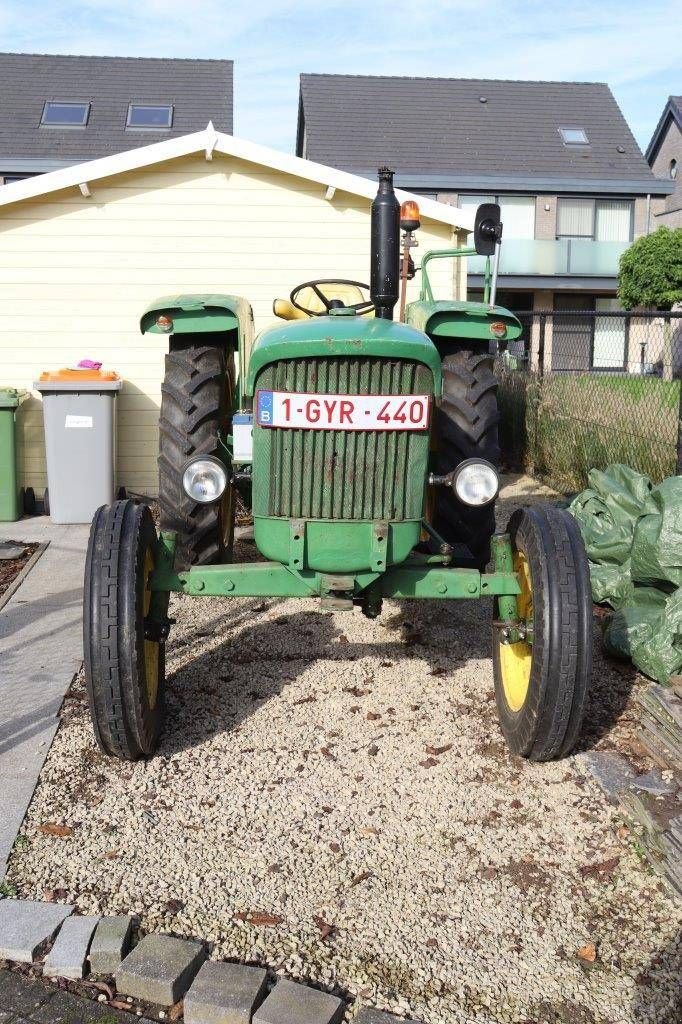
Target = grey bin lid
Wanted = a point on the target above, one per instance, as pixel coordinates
(10, 398)
(76, 387)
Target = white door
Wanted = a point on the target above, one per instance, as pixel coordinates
(609, 337)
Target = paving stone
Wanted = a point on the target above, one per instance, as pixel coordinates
(21, 995)
(160, 969)
(369, 1015)
(110, 943)
(616, 775)
(291, 1003)
(224, 994)
(68, 958)
(9, 551)
(66, 1008)
(24, 924)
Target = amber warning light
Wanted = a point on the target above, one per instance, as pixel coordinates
(499, 329)
(409, 215)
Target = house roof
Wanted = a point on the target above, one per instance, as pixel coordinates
(82, 176)
(672, 112)
(198, 90)
(451, 132)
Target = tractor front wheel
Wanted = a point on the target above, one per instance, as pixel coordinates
(124, 670)
(541, 682)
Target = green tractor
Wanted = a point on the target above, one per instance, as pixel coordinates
(367, 450)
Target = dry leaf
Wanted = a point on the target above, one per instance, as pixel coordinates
(372, 716)
(326, 929)
(603, 870)
(356, 691)
(432, 943)
(119, 1004)
(489, 873)
(343, 639)
(111, 854)
(361, 877)
(51, 828)
(435, 751)
(174, 906)
(326, 752)
(587, 953)
(437, 671)
(373, 750)
(259, 917)
(335, 847)
(515, 804)
(310, 699)
(370, 831)
(176, 1010)
(429, 762)
(623, 832)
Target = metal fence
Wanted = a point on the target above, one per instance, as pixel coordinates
(583, 389)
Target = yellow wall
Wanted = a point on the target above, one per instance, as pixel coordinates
(76, 273)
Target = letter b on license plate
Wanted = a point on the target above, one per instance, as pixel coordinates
(342, 412)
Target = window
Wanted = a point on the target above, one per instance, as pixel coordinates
(604, 220)
(145, 115)
(574, 136)
(65, 115)
(518, 213)
(672, 169)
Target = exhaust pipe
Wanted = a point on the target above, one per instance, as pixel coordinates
(384, 278)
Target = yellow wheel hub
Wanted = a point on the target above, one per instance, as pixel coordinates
(151, 648)
(516, 659)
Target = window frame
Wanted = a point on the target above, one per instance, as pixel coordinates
(593, 200)
(585, 141)
(496, 197)
(170, 107)
(86, 105)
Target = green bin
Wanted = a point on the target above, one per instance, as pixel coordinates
(10, 509)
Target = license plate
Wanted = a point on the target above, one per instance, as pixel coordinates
(342, 412)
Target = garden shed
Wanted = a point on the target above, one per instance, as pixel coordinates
(85, 249)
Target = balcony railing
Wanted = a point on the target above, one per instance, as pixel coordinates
(554, 257)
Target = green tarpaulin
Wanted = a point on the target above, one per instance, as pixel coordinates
(633, 535)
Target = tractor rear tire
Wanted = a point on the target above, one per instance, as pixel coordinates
(124, 672)
(466, 429)
(541, 687)
(196, 408)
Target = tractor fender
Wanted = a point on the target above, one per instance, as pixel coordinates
(449, 318)
(202, 314)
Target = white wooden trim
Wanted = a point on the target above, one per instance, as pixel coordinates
(210, 141)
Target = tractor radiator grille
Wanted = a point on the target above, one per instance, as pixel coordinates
(336, 474)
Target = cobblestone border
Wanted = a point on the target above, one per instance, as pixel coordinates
(161, 977)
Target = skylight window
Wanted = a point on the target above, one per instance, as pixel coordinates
(574, 136)
(65, 115)
(147, 115)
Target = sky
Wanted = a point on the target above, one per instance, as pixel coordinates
(634, 46)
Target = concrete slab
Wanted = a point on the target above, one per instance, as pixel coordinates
(40, 652)
(68, 957)
(160, 969)
(110, 943)
(224, 994)
(25, 924)
(291, 1003)
(21, 995)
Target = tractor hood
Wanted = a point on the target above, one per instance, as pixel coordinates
(450, 319)
(199, 314)
(343, 336)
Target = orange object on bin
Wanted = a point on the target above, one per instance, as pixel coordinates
(69, 374)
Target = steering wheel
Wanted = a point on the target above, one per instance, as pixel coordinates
(329, 304)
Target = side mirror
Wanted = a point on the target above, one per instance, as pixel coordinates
(487, 229)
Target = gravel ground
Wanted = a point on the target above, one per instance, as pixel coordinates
(333, 799)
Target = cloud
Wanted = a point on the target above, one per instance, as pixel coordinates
(633, 47)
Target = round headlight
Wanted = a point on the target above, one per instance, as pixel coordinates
(476, 482)
(204, 479)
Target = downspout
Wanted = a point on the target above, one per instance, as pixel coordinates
(648, 213)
